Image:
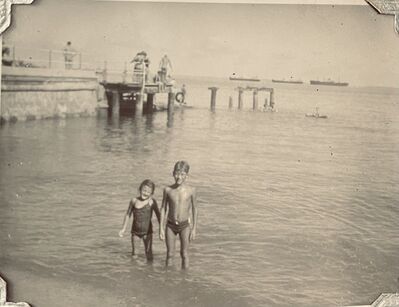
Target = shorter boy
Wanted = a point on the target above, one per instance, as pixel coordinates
(178, 203)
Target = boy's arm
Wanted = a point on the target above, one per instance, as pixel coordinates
(126, 218)
(194, 210)
(163, 215)
(156, 210)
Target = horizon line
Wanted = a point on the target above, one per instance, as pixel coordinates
(289, 2)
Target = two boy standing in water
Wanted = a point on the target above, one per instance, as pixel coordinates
(178, 205)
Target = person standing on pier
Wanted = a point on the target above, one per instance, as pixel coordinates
(141, 64)
(69, 54)
(165, 66)
(6, 57)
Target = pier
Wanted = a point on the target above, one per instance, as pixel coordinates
(255, 90)
(137, 96)
(38, 84)
(255, 104)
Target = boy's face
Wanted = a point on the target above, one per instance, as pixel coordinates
(180, 176)
(145, 192)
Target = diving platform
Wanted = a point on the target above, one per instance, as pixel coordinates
(149, 88)
(136, 97)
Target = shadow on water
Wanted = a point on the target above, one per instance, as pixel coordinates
(149, 123)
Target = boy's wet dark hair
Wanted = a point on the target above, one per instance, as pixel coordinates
(148, 183)
(181, 166)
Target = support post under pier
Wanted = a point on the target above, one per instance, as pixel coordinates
(255, 100)
(230, 102)
(115, 103)
(171, 103)
(150, 103)
(139, 103)
(272, 99)
(240, 92)
(213, 97)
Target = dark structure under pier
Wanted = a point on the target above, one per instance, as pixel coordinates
(135, 97)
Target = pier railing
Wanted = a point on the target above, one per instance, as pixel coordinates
(116, 70)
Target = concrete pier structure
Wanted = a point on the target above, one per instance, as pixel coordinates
(36, 93)
(255, 90)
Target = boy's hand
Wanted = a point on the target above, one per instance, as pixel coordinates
(121, 232)
(162, 235)
(192, 235)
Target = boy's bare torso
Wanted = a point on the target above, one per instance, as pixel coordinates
(179, 202)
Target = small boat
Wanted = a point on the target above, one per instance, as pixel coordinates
(316, 114)
(235, 77)
(288, 81)
(328, 82)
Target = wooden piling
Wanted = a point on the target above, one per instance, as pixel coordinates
(213, 97)
(240, 92)
(139, 103)
(255, 100)
(150, 103)
(171, 103)
(115, 102)
(140, 96)
(230, 102)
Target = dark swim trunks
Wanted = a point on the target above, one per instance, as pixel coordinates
(142, 221)
(176, 226)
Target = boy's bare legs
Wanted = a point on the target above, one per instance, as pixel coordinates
(134, 241)
(170, 246)
(148, 246)
(184, 241)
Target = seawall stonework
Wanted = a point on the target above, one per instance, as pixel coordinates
(34, 93)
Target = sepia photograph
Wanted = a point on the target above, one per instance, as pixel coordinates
(199, 153)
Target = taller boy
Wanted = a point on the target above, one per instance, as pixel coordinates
(178, 204)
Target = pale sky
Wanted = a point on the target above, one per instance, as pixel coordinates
(343, 42)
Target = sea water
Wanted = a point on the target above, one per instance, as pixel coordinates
(292, 210)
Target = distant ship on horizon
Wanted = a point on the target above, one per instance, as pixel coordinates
(287, 81)
(328, 82)
(235, 77)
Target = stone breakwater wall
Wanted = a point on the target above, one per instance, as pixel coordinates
(35, 93)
